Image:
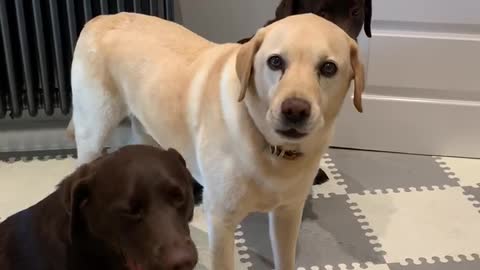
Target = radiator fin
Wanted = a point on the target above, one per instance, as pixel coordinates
(37, 40)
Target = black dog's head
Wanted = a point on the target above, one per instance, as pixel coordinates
(350, 15)
(136, 202)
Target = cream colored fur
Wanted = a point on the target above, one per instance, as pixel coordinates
(219, 106)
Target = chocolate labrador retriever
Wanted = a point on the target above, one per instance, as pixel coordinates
(128, 210)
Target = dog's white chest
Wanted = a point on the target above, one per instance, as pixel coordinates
(267, 202)
(265, 199)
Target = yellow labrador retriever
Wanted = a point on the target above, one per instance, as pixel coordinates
(251, 120)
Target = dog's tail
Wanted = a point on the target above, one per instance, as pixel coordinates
(71, 130)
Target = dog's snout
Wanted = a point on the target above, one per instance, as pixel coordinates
(181, 258)
(295, 110)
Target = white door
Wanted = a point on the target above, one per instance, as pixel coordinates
(423, 80)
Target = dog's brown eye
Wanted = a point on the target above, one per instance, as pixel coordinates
(276, 62)
(328, 69)
(134, 212)
(355, 12)
(176, 197)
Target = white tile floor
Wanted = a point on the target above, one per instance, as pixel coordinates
(22, 184)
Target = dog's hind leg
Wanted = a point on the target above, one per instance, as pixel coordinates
(97, 111)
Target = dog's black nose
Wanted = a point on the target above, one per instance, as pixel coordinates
(295, 110)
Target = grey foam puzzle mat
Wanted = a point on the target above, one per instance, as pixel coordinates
(368, 170)
(330, 233)
(399, 212)
(473, 193)
(39, 155)
(380, 211)
(447, 264)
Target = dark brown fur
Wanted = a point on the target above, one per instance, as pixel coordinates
(131, 207)
(350, 15)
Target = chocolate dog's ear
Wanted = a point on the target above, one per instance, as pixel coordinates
(245, 60)
(368, 18)
(178, 155)
(358, 75)
(75, 192)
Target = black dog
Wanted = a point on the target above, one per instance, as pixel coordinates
(350, 15)
(128, 210)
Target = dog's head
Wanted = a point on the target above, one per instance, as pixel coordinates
(294, 75)
(136, 204)
(350, 15)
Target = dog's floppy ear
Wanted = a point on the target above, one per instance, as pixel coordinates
(244, 61)
(358, 75)
(177, 155)
(368, 18)
(75, 191)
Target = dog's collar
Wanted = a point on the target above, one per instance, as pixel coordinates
(278, 151)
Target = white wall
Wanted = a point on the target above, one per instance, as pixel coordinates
(225, 20)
